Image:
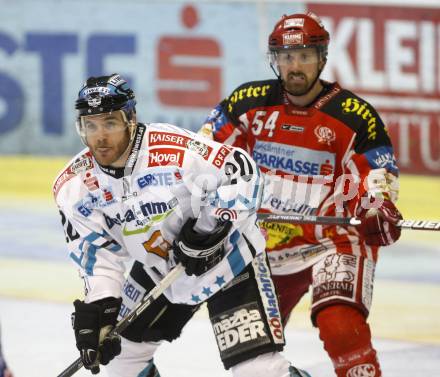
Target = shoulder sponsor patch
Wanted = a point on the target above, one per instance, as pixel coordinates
(221, 155)
(82, 163)
(199, 147)
(382, 157)
(363, 110)
(247, 92)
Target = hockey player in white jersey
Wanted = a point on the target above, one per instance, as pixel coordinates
(152, 193)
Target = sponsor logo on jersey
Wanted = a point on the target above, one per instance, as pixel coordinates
(363, 370)
(201, 148)
(278, 258)
(292, 128)
(165, 157)
(61, 180)
(221, 155)
(91, 182)
(160, 179)
(248, 92)
(156, 244)
(269, 297)
(279, 234)
(335, 276)
(131, 161)
(95, 200)
(167, 138)
(367, 283)
(239, 329)
(382, 157)
(82, 164)
(361, 109)
(141, 214)
(293, 160)
(293, 38)
(286, 205)
(325, 135)
(130, 291)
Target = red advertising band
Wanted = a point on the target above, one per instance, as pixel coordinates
(133, 315)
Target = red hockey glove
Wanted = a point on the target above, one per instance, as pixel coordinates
(378, 225)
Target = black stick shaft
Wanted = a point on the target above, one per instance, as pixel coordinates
(333, 220)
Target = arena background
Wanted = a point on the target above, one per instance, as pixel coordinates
(181, 58)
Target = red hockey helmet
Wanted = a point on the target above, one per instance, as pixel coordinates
(299, 31)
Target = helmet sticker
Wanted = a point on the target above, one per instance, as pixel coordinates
(116, 80)
(293, 38)
(316, 18)
(98, 89)
(294, 22)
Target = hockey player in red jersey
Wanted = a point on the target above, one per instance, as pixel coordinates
(324, 151)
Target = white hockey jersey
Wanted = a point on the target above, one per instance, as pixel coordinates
(172, 174)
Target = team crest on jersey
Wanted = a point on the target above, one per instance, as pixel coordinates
(363, 370)
(325, 135)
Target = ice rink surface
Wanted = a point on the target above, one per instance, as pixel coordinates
(39, 342)
(38, 284)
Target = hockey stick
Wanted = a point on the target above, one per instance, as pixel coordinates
(331, 220)
(419, 224)
(134, 314)
(308, 219)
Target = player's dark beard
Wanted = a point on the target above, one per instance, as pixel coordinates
(117, 150)
(297, 88)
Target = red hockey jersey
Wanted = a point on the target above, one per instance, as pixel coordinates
(316, 160)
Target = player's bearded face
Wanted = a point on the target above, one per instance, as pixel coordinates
(107, 136)
(299, 69)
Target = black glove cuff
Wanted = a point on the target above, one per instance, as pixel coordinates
(96, 314)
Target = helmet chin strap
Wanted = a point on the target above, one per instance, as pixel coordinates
(132, 131)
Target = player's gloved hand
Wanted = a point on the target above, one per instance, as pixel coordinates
(197, 252)
(92, 323)
(378, 225)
